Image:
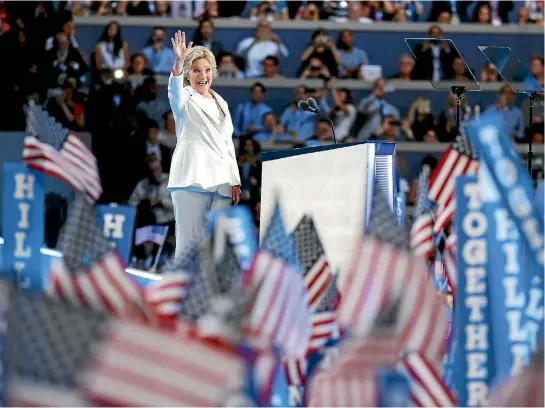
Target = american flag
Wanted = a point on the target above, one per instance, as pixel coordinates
(60, 153)
(91, 273)
(137, 365)
(459, 159)
(384, 225)
(277, 242)
(425, 382)
(324, 328)
(49, 343)
(280, 311)
(422, 228)
(382, 274)
(351, 378)
(151, 233)
(165, 296)
(316, 270)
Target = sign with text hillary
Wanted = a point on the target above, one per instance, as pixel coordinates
(513, 182)
(117, 223)
(23, 223)
(472, 323)
(512, 301)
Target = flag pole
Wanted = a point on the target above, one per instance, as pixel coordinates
(156, 261)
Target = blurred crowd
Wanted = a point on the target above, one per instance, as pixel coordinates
(113, 92)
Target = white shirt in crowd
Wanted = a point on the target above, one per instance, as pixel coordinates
(258, 52)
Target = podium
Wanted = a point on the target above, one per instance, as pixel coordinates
(334, 185)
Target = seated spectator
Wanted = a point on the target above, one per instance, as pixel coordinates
(134, 8)
(152, 200)
(299, 124)
(538, 109)
(308, 11)
(138, 65)
(388, 130)
(456, 10)
(167, 135)
(272, 130)
(434, 58)
(323, 132)
(159, 56)
(210, 10)
(150, 106)
(160, 8)
(323, 48)
(255, 49)
(536, 69)
(344, 112)
(535, 9)
(523, 16)
(373, 108)
(64, 109)
(316, 69)
(430, 137)
(248, 115)
(427, 161)
(320, 95)
(412, 10)
(204, 35)
(111, 51)
(63, 61)
(352, 58)
(270, 67)
(249, 165)
(447, 128)
(227, 67)
(163, 153)
(357, 12)
(511, 113)
(420, 118)
(67, 27)
(269, 10)
(489, 73)
(406, 66)
(492, 12)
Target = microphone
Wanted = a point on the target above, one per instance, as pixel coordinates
(310, 105)
(313, 105)
(303, 105)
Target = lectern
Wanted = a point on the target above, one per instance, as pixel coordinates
(333, 184)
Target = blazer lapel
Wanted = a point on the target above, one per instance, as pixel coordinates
(204, 107)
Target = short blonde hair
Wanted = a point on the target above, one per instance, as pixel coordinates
(198, 52)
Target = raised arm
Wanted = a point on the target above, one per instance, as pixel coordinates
(176, 94)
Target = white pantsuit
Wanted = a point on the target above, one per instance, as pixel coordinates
(204, 166)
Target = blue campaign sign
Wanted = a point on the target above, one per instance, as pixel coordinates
(237, 224)
(117, 223)
(495, 148)
(474, 350)
(509, 281)
(23, 223)
(400, 208)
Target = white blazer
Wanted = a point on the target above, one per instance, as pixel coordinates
(205, 154)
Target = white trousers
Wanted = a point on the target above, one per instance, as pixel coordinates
(190, 208)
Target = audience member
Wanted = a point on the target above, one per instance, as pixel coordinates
(374, 108)
(321, 48)
(255, 49)
(204, 35)
(352, 58)
(159, 56)
(248, 115)
(270, 67)
(227, 67)
(434, 57)
(138, 65)
(511, 113)
(63, 61)
(272, 130)
(344, 112)
(111, 51)
(406, 67)
(269, 10)
(167, 134)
